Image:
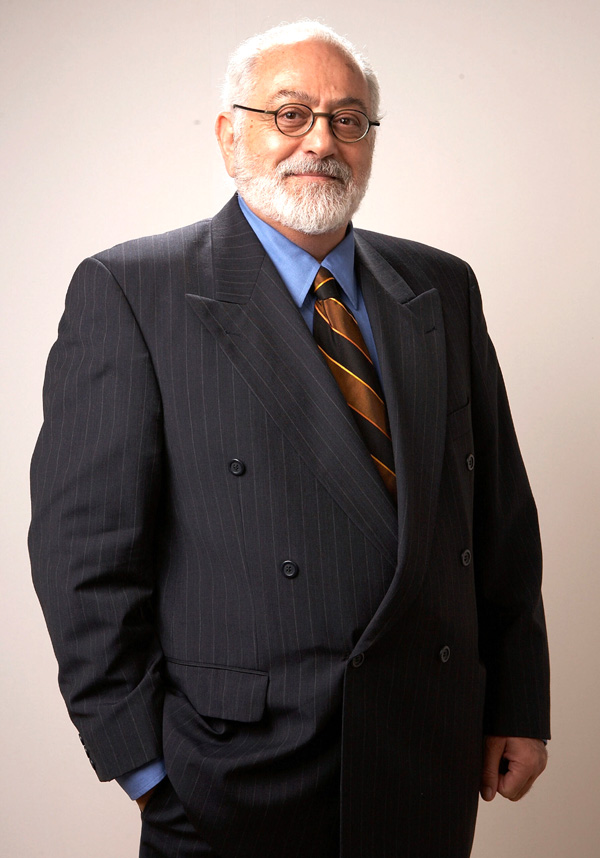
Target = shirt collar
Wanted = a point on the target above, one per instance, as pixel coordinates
(298, 268)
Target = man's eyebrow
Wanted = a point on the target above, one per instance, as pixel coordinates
(350, 101)
(299, 96)
(295, 95)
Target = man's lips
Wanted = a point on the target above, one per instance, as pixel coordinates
(318, 176)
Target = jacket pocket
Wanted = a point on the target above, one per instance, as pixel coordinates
(459, 421)
(230, 693)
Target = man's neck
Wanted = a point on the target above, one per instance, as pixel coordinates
(317, 245)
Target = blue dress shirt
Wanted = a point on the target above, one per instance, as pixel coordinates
(139, 781)
(298, 270)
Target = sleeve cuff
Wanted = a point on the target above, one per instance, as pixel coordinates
(139, 781)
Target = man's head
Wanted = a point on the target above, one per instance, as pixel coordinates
(311, 183)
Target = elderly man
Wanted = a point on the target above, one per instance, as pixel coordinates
(282, 532)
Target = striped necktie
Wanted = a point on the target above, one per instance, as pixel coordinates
(338, 336)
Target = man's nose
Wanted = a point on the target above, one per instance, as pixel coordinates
(320, 139)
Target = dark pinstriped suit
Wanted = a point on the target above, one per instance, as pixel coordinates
(159, 563)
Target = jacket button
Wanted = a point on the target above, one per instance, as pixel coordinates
(289, 568)
(358, 659)
(470, 461)
(466, 557)
(444, 654)
(237, 467)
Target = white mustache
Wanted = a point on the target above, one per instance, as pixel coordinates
(298, 164)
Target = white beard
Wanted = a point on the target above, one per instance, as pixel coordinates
(310, 207)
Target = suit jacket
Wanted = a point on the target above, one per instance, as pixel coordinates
(226, 580)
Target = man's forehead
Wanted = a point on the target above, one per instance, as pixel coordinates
(307, 71)
(302, 96)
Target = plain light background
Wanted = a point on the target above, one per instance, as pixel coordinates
(489, 149)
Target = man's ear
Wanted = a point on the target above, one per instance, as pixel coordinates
(224, 132)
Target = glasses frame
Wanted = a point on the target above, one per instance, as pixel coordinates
(328, 116)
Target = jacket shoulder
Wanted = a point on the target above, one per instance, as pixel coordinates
(167, 247)
(406, 255)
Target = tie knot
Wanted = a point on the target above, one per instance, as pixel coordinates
(325, 285)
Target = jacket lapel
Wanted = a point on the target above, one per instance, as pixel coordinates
(259, 328)
(409, 336)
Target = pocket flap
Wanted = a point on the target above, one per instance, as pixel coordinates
(231, 693)
(459, 421)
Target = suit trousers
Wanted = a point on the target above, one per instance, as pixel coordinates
(166, 829)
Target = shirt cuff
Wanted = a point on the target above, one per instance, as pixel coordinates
(139, 781)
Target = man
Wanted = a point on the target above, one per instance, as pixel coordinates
(304, 592)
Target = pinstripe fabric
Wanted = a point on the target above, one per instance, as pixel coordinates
(166, 829)
(355, 685)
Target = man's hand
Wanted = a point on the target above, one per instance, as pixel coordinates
(511, 765)
(143, 799)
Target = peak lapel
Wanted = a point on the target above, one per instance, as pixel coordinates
(409, 335)
(259, 328)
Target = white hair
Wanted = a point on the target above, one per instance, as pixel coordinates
(241, 70)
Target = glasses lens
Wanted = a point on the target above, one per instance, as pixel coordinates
(349, 125)
(293, 119)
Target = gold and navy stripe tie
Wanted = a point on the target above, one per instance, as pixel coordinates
(338, 336)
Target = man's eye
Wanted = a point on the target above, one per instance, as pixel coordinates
(347, 119)
(293, 113)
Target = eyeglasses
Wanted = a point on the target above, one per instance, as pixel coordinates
(295, 120)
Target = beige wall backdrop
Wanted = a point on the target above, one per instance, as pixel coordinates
(489, 148)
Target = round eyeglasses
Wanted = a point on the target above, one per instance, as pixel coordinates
(295, 120)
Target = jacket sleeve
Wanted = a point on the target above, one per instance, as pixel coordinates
(507, 555)
(95, 479)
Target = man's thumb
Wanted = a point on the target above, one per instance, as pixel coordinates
(493, 749)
